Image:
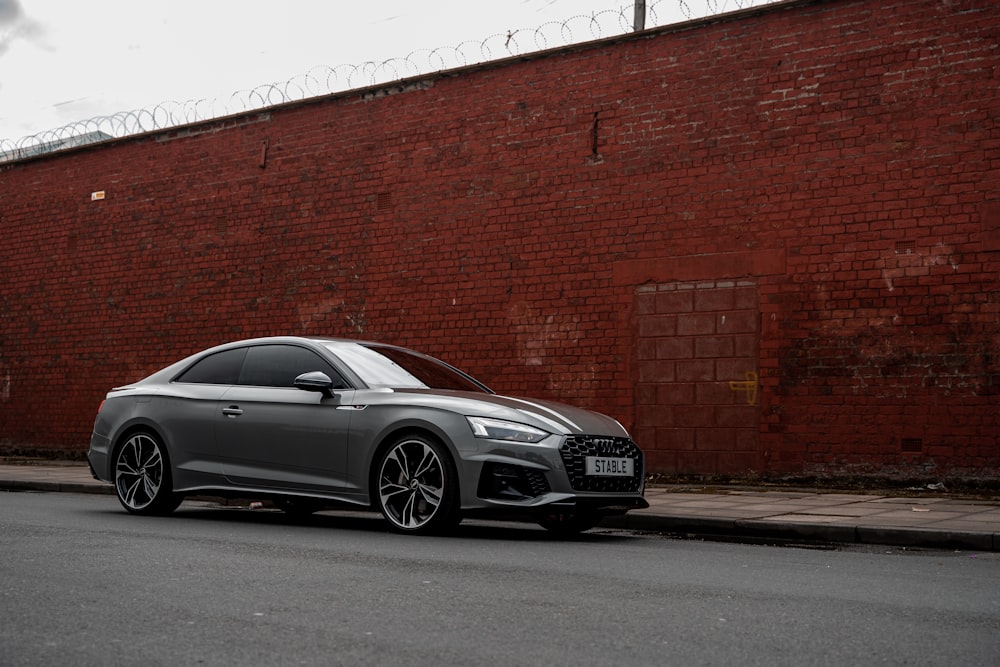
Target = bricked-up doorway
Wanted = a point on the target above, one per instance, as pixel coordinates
(696, 353)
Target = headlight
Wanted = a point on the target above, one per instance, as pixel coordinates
(497, 429)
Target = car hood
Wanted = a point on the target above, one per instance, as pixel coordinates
(549, 416)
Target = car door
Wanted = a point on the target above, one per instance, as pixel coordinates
(271, 434)
(189, 413)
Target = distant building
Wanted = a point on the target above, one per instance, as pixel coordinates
(55, 145)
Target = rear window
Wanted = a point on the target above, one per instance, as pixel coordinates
(219, 368)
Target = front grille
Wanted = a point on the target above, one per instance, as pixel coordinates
(577, 448)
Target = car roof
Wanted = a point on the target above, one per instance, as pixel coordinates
(298, 339)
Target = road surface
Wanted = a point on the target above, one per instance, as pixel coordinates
(84, 583)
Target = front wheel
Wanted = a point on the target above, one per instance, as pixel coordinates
(142, 476)
(417, 486)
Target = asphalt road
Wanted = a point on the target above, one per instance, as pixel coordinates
(83, 583)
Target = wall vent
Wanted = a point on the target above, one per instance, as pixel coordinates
(911, 445)
(906, 247)
(383, 201)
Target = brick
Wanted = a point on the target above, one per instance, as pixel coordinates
(645, 303)
(647, 394)
(706, 300)
(745, 298)
(696, 324)
(652, 326)
(466, 216)
(657, 371)
(715, 440)
(714, 393)
(675, 439)
(713, 346)
(676, 347)
(736, 463)
(737, 415)
(739, 321)
(694, 416)
(655, 416)
(675, 301)
(675, 393)
(695, 371)
(701, 463)
(646, 349)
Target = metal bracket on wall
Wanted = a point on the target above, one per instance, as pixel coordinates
(263, 153)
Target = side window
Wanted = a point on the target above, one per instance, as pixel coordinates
(219, 368)
(279, 365)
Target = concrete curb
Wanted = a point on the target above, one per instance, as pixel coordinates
(718, 528)
(98, 488)
(785, 532)
(55, 487)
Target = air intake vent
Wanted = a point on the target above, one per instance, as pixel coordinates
(911, 445)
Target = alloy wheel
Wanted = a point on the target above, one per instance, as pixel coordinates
(141, 476)
(411, 484)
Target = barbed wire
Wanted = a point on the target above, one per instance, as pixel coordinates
(325, 80)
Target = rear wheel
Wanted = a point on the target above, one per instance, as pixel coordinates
(417, 486)
(569, 523)
(142, 476)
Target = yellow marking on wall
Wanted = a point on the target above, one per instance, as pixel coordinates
(749, 386)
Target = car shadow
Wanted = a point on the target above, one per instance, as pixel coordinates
(477, 528)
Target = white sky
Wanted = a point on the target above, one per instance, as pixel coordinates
(63, 61)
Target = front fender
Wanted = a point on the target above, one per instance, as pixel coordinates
(374, 428)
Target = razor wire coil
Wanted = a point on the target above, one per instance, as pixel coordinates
(325, 80)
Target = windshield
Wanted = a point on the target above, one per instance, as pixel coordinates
(396, 368)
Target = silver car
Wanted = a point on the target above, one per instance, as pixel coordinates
(310, 423)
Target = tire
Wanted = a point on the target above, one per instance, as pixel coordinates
(569, 523)
(143, 482)
(416, 486)
(298, 507)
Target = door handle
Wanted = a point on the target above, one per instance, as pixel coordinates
(232, 411)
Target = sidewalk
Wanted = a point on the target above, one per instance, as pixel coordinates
(931, 520)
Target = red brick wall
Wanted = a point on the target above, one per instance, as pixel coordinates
(842, 158)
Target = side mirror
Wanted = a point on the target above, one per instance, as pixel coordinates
(315, 381)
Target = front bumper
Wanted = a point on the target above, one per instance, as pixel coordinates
(526, 477)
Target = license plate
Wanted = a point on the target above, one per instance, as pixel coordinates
(607, 467)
